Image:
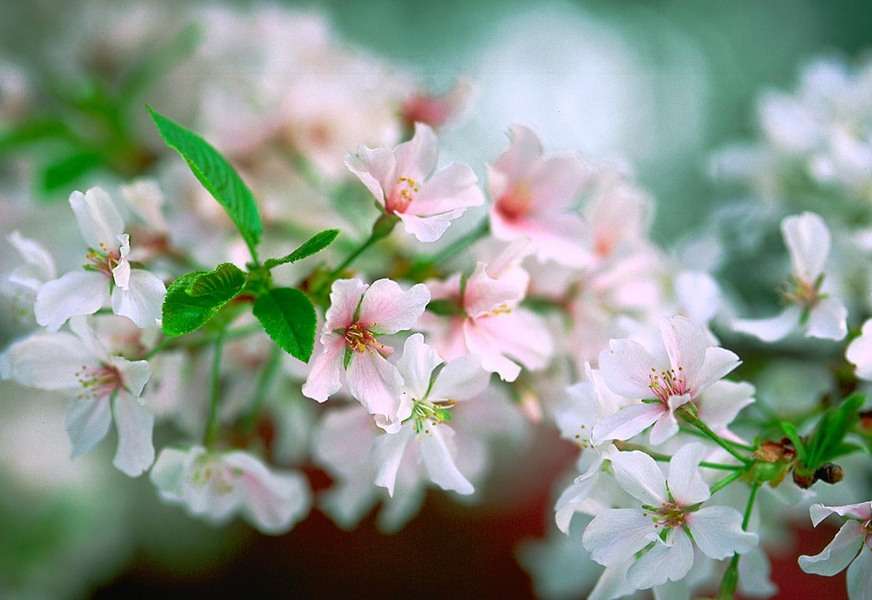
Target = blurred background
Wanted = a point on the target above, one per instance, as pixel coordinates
(658, 84)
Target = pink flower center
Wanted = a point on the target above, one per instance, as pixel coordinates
(358, 338)
(402, 195)
(667, 383)
(99, 382)
(516, 202)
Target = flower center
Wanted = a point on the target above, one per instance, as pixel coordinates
(102, 261)
(667, 383)
(402, 195)
(803, 293)
(515, 203)
(358, 338)
(208, 471)
(668, 515)
(99, 382)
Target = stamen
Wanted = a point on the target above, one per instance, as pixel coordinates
(358, 338)
(99, 382)
(667, 383)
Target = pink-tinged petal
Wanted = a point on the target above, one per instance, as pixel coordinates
(87, 422)
(483, 347)
(685, 481)
(771, 329)
(838, 554)
(558, 237)
(859, 352)
(618, 533)
(808, 240)
(345, 295)
(437, 452)
(388, 451)
(375, 167)
(444, 288)
(48, 361)
(416, 365)
(146, 199)
(485, 293)
(573, 498)
(859, 578)
(717, 531)
(638, 475)
(75, 293)
(324, 375)
(388, 308)
(515, 163)
(461, 379)
(554, 182)
(98, 219)
(39, 265)
(134, 374)
(686, 344)
(376, 383)
(699, 295)
(860, 512)
(417, 158)
(454, 187)
(520, 335)
(718, 362)
(141, 302)
(627, 422)
(664, 428)
(446, 335)
(428, 229)
(669, 561)
(828, 320)
(134, 424)
(626, 369)
(722, 401)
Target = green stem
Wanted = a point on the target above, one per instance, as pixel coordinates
(381, 229)
(214, 392)
(722, 483)
(264, 383)
(455, 247)
(706, 431)
(730, 580)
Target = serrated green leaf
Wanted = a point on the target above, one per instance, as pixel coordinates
(223, 279)
(830, 432)
(288, 317)
(184, 312)
(217, 175)
(314, 244)
(790, 431)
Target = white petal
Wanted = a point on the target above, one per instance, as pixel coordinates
(721, 402)
(81, 326)
(861, 512)
(685, 481)
(388, 308)
(87, 422)
(772, 329)
(859, 577)
(75, 293)
(859, 352)
(98, 219)
(638, 474)
(146, 199)
(717, 530)
(616, 534)
(717, 363)
(686, 344)
(417, 158)
(375, 167)
(388, 451)
(142, 301)
(755, 575)
(665, 427)
(376, 383)
(838, 553)
(39, 265)
(461, 379)
(828, 320)
(808, 240)
(121, 272)
(663, 562)
(572, 498)
(417, 364)
(134, 374)
(134, 424)
(626, 369)
(627, 422)
(436, 452)
(169, 472)
(48, 361)
(698, 294)
(452, 188)
(428, 229)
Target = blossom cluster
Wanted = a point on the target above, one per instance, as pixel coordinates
(434, 307)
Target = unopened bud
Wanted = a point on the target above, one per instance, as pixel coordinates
(829, 473)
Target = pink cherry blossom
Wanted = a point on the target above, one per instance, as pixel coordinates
(349, 347)
(405, 182)
(533, 197)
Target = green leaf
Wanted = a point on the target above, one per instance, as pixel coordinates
(288, 317)
(33, 131)
(826, 441)
(314, 244)
(64, 172)
(790, 431)
(217, 175)
(184, 312)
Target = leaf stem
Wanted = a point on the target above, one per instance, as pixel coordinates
(707, 432)
(730, 580)
(720, 484)
(214, 391)
(381, 229)
(262, 388)
(455, 247)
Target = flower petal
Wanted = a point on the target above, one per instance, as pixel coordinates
(555, 181)
(417, 364)
(718, 362)
(722, 401)
(686, 344)
(717, 531)
(859, 352)
(428, 229)
(828, 320)
(48, 361)
(772, 329)
(513, 164)
(134, 424)
(437, 453)
(572, 498)
(75, 293)
(665, 427)
(417, 158)
(375, 167)
(39, 265)
(626, 369)
(169, 472)
(388, 451)
(664, 562)
(324, 374)
(98, 218)
(376, 383)
(141, 302)
(838, 554)
(685, 481)
(627, 422)
(454, 187)
(638, 475)
(345, 295)
(87, 422)
(389, 309)
(860, 512)
(461, 379)
(617, 533)
(808, 240)
(859, 577)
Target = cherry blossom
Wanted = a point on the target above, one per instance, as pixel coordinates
(851, 547)
(101, 387)
(672, 510)
(819, 313)
(38, 267)
(534, 197)
(108, 275)
(404, 181)
(216, 485)
(349, 347)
